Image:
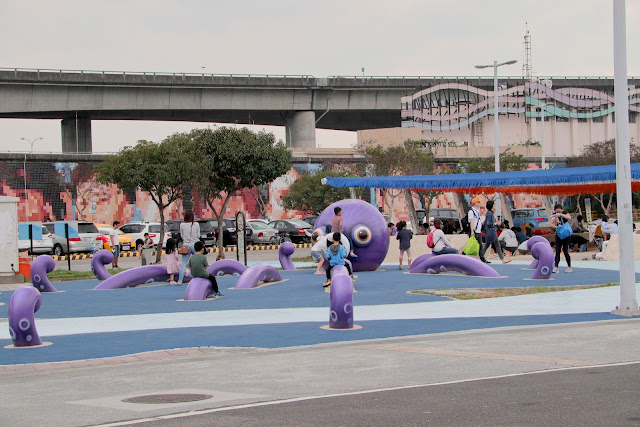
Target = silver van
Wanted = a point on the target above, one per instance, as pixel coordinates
(89, 238)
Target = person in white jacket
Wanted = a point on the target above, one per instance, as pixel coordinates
(442, 244)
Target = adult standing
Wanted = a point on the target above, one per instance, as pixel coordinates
(475, 224)
(115, 244)
(442, 244)
(559, 218)
(491, 235)
(190, 233)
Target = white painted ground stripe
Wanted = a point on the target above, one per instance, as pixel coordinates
(478, 355)
(597, 300)
(353, 393)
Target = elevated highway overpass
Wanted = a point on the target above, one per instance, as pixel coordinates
(300, 103)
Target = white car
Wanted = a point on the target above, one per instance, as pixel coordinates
(40, 246)
(260, 233)
(137, 229)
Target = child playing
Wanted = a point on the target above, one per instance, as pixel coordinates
(147, 249)
(198, 266)
(404, 236)
(173, 263)
(336, 255)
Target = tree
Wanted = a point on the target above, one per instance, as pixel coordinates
(163, 170)
(411, 158)
(309, 195)
(229, 160)
(598, 154)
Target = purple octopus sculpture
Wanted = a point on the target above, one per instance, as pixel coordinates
(284, 253)
(365, 227)
(39, 268)
(341, 299)
(532, 241)
(543, 253)
(257, 273)
(226, 266)
(138, 276)
(24, 302)
(455, 262)
(98, 262)
(198, 289)
(419, 260)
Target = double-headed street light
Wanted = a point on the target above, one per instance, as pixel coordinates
(495, 114)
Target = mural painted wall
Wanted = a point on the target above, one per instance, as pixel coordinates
(66, 191)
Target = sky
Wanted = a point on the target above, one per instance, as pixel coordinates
(386, 38)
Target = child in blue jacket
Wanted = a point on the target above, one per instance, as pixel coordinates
(336, 255)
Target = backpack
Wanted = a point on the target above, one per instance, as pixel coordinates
(430, 242)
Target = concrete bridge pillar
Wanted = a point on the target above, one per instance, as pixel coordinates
(301, 130)
(76, 135)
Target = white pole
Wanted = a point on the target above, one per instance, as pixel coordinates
(628, 299)
(543, 160)
(496, 128)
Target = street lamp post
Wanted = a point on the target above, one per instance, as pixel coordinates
(496, 127)
(543, 109)
(24, 169)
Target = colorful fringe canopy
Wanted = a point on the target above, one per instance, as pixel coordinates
(560, 182)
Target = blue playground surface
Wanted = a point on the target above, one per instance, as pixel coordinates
(83, 323)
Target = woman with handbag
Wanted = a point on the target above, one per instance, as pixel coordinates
(190, 233)
(561, 222)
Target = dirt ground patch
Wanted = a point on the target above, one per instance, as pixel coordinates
(478, 293)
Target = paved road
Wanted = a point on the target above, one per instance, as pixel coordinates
(605, 395)
(92, 393)
(130, 262)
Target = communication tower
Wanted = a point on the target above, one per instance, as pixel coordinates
(526, 63)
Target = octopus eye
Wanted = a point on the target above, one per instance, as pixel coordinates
(361, 235)
(317, 233)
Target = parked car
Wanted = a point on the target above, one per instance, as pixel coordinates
(89, 238)
(260, 233)
(229, 234)
(207, 233)
(293, 230)
(44, 245)
(124, 239)
(535, 217)
(444, 215)
(136, 231)
(310, 219)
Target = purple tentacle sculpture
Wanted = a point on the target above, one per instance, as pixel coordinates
(25, 301)
(532, 241)
(325, 264)
(39, 268)
(341, 297)
(98, 262)
(198, 289)
(226, 266)
(420, 259)
(138, 276)
(284, 253)
(455, 262)
(546, 258)
(366, 228)
(257, 273)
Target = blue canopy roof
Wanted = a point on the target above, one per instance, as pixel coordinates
(585, 180)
